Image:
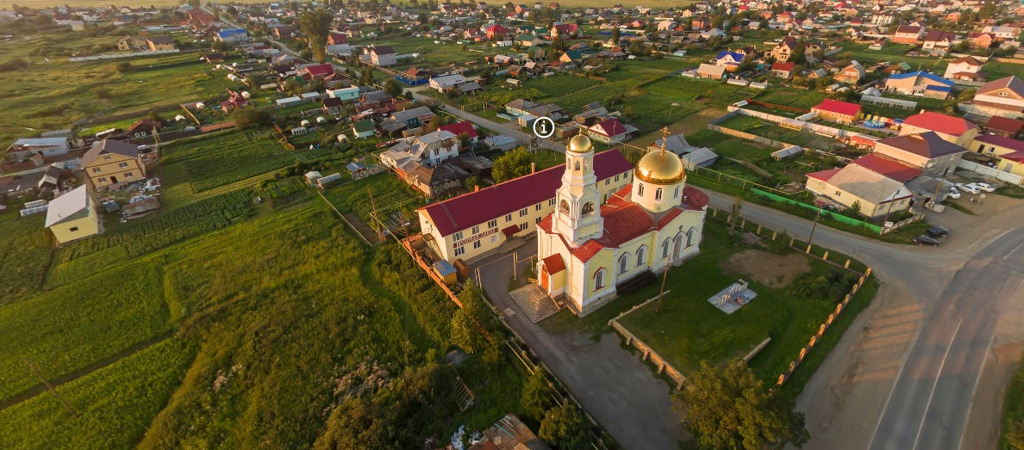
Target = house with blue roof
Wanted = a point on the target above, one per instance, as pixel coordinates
(730, 60)
(919, 83)
(232, 35)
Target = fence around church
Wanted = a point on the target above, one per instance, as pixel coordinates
(742, 225)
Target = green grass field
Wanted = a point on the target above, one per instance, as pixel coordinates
(25, 252)
(689, 329)
(769, 130)
(227, 158)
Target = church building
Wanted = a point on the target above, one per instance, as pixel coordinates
(587, 250)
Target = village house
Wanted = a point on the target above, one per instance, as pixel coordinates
(711, 71)
(130, 43)
(110, 164)
(382, 56)
(143, 128)
(332, 105)
(72, 216)
(919, 83)
(851, 74)
(857, 185)
(1003, 97)
(462, 128)
(784, 49)
(363, 129)
(431, 181)
(609, 131)
(445, 83)
(160, 43)
(838, 111)
(730, 60)
(908, 34)
(953, 129)
(938, 41)
(26, 148)
(927, 151)
(783, 70)
(1005, 127)
(966, 68)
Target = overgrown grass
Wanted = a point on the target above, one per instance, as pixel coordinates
(1013, 406)
(226, 158)
(24, 254)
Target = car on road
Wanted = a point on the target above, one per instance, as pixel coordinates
(985, 187)
(953, 194)
(937, 231)
(969, 188)
(926, 240)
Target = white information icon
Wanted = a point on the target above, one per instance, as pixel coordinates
(544, 127)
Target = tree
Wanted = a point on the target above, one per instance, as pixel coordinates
(246, 118)
(734, 214)
(474, 327)
(781, 243)
(536, 397)
(124, 67)
(564, 427)
(853, 210)
(729, 407)
(511, 165)
(393, 88)
(616, 34)
(1015, 435)
(316, 25)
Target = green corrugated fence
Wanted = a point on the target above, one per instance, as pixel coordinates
(831, 215)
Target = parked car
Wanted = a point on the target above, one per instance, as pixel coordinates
(985, 187)
(937, 231)
(953, 194)
(926, 240)
(969, 188)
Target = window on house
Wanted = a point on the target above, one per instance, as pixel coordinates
(537, 220)
(607, 181)
(576, 167)
(677, 192)
(665, 247)
(616, 178)
(599, 280)
(551, 202)
(103, 180)
(492, 224)
(523, 226)
(476, 244)
(523, 212)
(640, 190)
(657, 194)
(564, 207)
(537, 207)
(458, 236)
(459, 251)
(508, 218)
(623, 264)
(128, 175)
(640, 256)
(588, 208)
(691, 234)
(476, 229)
(73, 229)
(122, 165)
(96, 170)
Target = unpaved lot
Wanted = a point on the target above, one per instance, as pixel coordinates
(768, 268)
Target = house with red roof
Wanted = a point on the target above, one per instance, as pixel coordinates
(460, 128)
(566, 31)
(908, 34)
(783, 70)
(609, 131)
(496, 32)
(862, 186)
(335, 38)
(315, 71)
(838, 111)
(1005, 127)
(473, 224)
(957, 130)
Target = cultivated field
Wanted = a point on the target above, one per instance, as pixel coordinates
(25, 251)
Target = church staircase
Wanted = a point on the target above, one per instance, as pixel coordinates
(534, 302)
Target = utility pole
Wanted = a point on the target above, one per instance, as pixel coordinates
(49, 387)
(814, 226)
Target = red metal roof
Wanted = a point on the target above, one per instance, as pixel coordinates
(839, 107)
(459, 128)
(496, 201)
(610, 128)
(1005, 124)
(319, 69)
(823, 175)
(1017, 146)
(783, 66)
(510, 230)
(887, 167)
(940, 123)
(554, 263)
(625, 220)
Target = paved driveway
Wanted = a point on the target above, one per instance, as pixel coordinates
(611, 383)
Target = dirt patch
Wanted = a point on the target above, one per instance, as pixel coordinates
(768, 268)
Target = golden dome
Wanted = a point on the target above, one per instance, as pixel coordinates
(660, 167)
(580, 144)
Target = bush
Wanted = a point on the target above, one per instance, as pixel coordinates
(830, 286)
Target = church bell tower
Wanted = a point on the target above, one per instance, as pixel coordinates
(578, 202)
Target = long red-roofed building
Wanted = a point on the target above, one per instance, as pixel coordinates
(838, 111)
(473, 224)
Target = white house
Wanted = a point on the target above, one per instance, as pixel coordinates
(447, 82)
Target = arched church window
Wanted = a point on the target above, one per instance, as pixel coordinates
(576, 167)
(690, 235)
(599, 280)
(588, 208)
(677, 242)
(677, 192)
(564, 207)
(640, 190)
(665, 246)
(657, 194)
(624, 264)
(640, 253)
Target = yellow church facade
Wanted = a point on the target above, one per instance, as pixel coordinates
(587, 250)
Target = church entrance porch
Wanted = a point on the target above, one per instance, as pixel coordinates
(534, 301)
